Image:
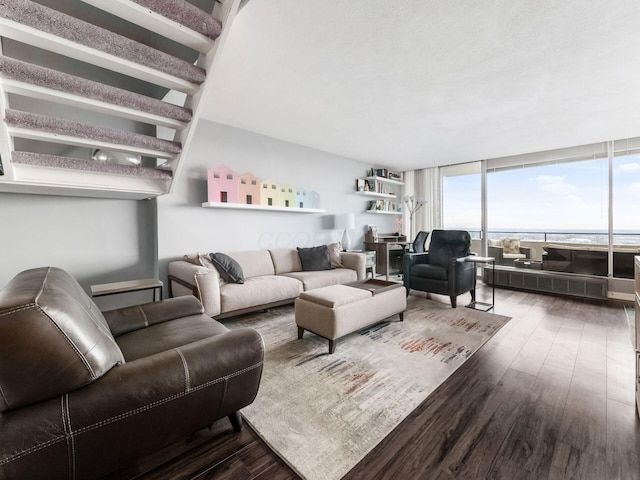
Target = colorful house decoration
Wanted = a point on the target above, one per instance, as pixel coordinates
(222, 185)
(226, 186)
(249, 189)
(270, 193)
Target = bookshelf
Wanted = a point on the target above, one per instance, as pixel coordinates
(386, 194)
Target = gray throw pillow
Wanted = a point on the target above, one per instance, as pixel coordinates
(228, 268)
(315, 258)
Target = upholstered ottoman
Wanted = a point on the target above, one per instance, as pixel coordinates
(335, 311)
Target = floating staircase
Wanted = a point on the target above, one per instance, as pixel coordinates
(70, 88)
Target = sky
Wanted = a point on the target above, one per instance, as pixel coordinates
(566, 196)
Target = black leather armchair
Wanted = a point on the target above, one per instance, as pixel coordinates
(442, 269)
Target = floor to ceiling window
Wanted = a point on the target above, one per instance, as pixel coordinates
(560, 197)
(461, 198)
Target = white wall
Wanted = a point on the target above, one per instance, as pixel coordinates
(96, 240)
(184, 226)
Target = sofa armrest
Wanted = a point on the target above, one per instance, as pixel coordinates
(355, 261)
(526, 251)
(497, 253)
(128, 319)
(188, 279)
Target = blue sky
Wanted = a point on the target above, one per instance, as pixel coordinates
(567, 196)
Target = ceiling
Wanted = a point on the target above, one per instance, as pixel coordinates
(415, 83)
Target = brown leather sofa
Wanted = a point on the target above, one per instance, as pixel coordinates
(83, 393)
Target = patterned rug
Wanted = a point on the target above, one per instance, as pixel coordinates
(323, 413)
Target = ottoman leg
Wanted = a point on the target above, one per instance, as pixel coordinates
(401, 316)
(332, 346)
(300, 332)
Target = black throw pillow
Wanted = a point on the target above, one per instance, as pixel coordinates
(315, 258)
(227, 267)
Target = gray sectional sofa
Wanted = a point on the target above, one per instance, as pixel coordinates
(271, 277)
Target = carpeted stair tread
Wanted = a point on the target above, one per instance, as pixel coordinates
(46, 77)
(55, 161)
(70, 28)
(34, 121)
(186, 14)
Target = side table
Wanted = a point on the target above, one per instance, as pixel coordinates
(104, 289)
(483, 305)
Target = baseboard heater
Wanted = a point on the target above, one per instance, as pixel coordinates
(549, 282)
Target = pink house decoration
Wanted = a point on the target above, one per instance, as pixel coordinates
(225, 186)
(249, 189)
(222, 185)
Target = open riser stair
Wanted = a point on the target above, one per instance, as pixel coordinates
(84, 121)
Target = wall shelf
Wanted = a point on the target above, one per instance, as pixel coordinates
(382, 212)
(376, 194)
(385, 180)
(243, 206)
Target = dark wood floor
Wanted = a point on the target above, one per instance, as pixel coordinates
(549, 397)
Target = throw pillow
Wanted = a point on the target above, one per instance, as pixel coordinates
(315, 258)
(335, 252)
(228, 268)
(494, 243)
(511, 245)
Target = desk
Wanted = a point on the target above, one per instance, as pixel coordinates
(104, 289)
(383, 249)
(482, 305)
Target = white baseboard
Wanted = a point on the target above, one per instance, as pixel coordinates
(621, 296)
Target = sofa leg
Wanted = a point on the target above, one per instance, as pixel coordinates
(332, 346)
(401, 314)
(236, 421)
(454, 302)
(300, 332)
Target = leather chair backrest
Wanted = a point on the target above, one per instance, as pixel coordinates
(419, 242)
(447, 244)
(53, 338)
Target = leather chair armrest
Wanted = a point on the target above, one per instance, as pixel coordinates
(355, 261)
(408, 260)
(128, 319)
(153, 401)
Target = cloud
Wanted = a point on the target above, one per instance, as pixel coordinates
(576, 201)
(635, 187)
(553, 182)
(629, 167)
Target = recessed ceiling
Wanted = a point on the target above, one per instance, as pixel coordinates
(416, 83)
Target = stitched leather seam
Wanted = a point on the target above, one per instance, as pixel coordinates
(73, 345)
(18, 309)
(166, 400)
(128, 414)
(187, 379)
(146, 321)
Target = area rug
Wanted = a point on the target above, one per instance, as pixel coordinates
(323, 413)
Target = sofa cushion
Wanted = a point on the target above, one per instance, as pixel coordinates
(335, 253)
(52, 333)
(254, 263)
(257, 291)
(285, 260)
(511, 245)
(315, 258)
(323, 278)
(227, 267)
